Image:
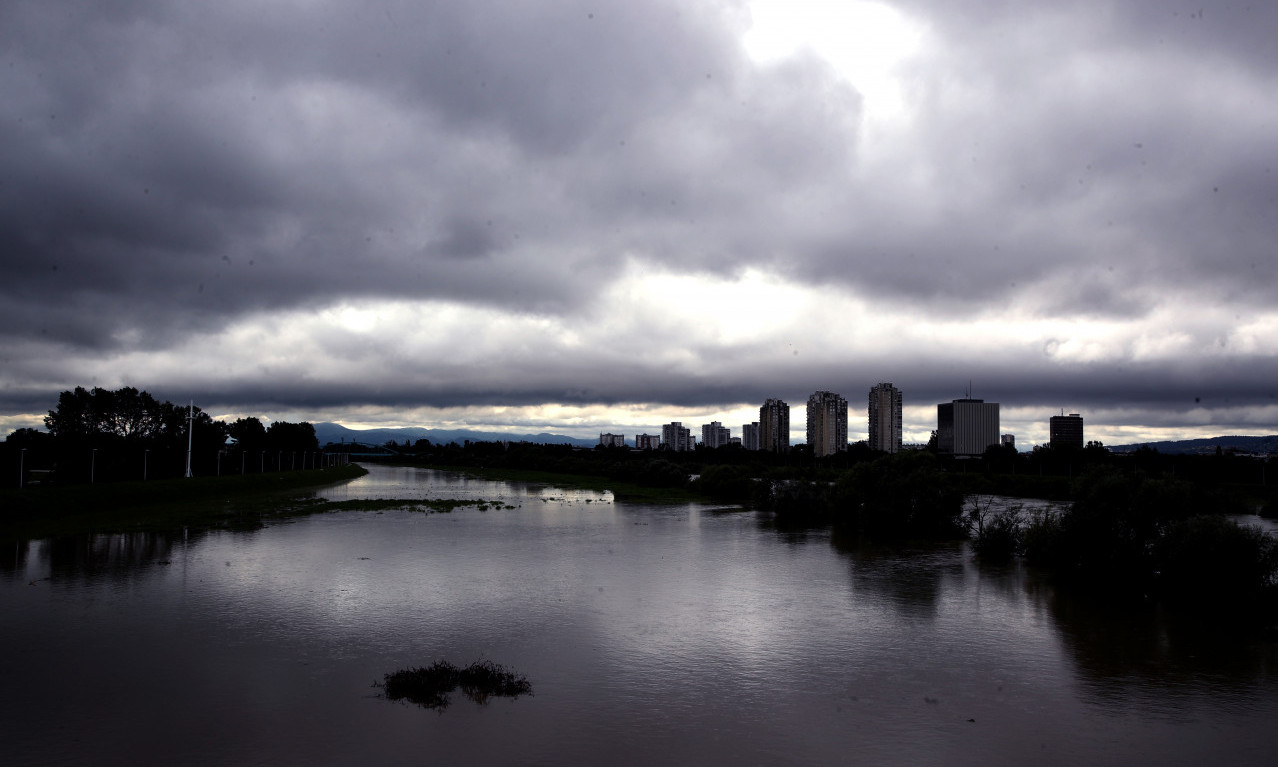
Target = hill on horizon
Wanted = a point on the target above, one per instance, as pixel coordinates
(333, 432)
(1245, 444)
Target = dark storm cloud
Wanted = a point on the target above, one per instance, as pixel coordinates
(236, 157)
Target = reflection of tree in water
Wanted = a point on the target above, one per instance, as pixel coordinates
(794, 531)
(13, 560)
(1126, 651)
(118, 555)
(907, 577)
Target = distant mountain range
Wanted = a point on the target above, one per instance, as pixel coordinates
(333, 432)
(1267, 444)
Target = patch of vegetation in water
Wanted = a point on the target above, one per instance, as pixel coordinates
(430, 686)
(423, 505)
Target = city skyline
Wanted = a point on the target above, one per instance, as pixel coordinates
(515, 218)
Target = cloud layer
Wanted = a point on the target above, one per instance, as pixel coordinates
(435, 210)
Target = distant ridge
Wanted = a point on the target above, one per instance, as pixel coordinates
(1242, 444)
(333, 432)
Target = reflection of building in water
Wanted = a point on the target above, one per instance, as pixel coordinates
(966, 426)
(1066, 431)
(885, 418)
(827, 423)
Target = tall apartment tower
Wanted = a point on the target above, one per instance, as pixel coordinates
(750, 436)
(675, 436)
(715, 434)
(885, 418)
(827, 423)
(966, 426)
(774, 426)
(1066, 431)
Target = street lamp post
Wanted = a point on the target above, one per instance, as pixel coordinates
(93, 465)
(146, 454)
(22, 468)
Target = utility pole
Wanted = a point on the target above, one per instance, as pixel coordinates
(190, 424)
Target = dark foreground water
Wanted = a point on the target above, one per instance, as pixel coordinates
(651, 635)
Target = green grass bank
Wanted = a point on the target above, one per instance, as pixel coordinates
(232, 502)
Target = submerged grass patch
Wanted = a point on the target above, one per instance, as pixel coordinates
(424, 505)
(430, 686)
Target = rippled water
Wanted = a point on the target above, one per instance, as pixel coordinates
(651, 634)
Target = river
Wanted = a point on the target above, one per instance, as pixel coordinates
(651, 634)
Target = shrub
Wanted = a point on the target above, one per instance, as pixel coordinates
(1211, 558)
(429, 686)
(998, 536)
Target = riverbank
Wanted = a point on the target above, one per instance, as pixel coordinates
(237, 501)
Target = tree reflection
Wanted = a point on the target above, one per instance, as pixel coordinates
(1125, 650)
(120, 555)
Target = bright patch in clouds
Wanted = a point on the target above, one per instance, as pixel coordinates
(866, 42)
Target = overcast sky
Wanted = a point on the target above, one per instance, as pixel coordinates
(572, 216)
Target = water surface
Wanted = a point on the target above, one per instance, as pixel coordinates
(651, 634)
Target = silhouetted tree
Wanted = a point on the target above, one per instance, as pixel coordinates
(249, 434)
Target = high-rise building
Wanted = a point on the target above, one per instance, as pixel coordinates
(1066, 431)
(966, 426)
(827, 423)
(885, 418)
(647, 441)
(675, 437)
(774, 426)
(715, 434)
(750, 436)
(612, 440)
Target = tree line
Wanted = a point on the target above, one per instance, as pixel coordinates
(104, 435)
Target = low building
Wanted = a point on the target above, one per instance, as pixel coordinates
(1066, 431)
(715, 434)
(966, 427)
(647, 441)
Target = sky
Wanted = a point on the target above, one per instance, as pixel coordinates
(580, 216)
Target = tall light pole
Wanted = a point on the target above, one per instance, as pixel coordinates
(190, 427)
(22, 468)
(146, 454)
(93, 464)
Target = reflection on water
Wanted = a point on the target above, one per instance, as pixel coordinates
(90, 557)
(652, 634)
